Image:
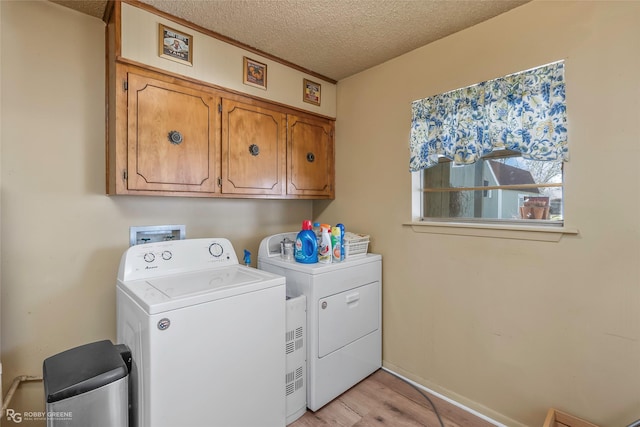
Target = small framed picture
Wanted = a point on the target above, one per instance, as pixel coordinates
(311, 92)
(254, 73)
(175, 45)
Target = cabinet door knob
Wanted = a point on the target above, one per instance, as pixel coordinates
(310, 157)
(175, 137)
(254, 149)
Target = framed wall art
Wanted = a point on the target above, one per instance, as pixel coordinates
(254, 73)
(311, 92)
(175, 45)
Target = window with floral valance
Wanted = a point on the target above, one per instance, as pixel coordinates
(523, 112)
(494, 150)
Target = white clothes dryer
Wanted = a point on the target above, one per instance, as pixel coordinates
(206, 336)
(344, 317)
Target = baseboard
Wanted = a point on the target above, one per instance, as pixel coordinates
(505, 421)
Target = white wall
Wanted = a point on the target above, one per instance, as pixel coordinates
(510, 327)
(62, 237)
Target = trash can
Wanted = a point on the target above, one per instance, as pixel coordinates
(88, 386)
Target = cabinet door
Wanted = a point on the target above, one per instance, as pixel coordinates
(310, 156)
(253, 149)
(172, 136)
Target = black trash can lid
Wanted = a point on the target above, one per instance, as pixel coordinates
(82, 369)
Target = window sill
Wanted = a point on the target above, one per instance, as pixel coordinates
(499, 231)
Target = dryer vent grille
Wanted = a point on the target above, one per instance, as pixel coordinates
(290, 336)
(295, 340)
(296, 357)
(294, 380)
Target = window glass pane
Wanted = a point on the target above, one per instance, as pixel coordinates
(498, 187)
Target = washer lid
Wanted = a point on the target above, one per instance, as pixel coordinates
(205, 281)
(164, 293)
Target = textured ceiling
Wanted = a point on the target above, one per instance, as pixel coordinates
(335, 38)
(90, 7)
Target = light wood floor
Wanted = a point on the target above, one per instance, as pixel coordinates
(384, 400)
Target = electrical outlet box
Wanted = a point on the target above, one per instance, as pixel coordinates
(155, 233)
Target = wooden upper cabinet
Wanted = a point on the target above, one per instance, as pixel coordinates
(310, 154)
(253, 149)
(172, 142)
(169, 136)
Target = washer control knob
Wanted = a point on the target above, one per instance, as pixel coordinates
(167, 255)
(149, 257)
(215, 249)
(324, 305)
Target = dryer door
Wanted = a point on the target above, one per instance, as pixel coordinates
(347, 316)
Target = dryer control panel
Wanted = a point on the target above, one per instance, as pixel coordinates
(163, 258)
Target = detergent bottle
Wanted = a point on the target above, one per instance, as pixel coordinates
(318, 232)
(336, 244)
(342, 252)
(306, 247)
(324, 253)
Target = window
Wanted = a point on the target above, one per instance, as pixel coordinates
(493, 151)
(502, 186)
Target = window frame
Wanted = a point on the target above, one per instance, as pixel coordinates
(533, 230)
(486, 193)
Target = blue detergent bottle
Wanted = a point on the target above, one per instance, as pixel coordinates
(341, 227)
(306, 247)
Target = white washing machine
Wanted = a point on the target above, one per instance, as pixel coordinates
(206, 336)
(343, 317)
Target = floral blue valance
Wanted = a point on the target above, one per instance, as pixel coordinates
(524, 112)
